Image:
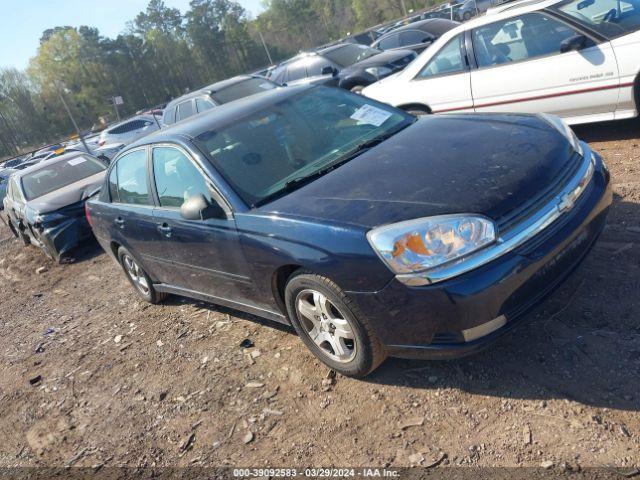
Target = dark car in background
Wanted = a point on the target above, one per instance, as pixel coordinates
(372, 232)
(415, 36)
(45, 203)
(214, 95)
(5, 173)
(347, 65)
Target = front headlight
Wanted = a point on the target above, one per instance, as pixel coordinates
(378, 72)
(421, 244)
(562, 127)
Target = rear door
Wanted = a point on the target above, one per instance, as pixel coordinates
(206, 254)
(521, 69)
(129, 215)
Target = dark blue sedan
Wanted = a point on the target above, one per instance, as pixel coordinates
(370, 231)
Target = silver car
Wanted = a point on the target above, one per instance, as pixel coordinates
(129, 130)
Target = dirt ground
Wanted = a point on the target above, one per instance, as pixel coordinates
(93, 376)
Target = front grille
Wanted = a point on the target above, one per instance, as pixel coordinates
(524, 211)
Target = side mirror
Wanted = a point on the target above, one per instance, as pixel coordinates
(571, 44)
(329, 70)
(199, 208)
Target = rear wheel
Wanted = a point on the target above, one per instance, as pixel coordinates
(138, 277)
(331, 325)
(466, 16)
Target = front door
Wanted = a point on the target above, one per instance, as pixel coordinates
(205, 254)
(521, 69)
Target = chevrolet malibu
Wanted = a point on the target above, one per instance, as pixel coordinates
(371, 232)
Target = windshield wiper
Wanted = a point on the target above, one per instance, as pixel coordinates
(358, 150)
(297, 182)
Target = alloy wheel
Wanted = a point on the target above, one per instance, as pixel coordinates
(136, 274)
(326, 326)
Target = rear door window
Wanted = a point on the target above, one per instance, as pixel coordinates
(202, 105)
(185, 110)
(296, 71)
(131, 179)
(392, 41)
(521, 38)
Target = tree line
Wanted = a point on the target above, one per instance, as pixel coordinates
(161, 54)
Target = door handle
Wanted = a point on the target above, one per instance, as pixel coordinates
(164, 229)
(119, 221)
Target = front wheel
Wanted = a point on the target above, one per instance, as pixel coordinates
(466, 16)
(331, 325)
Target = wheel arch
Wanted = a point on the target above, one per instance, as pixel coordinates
(415, 106)
(279, 281)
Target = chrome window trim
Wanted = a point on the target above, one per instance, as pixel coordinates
(561, 203)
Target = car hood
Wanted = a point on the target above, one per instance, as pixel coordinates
(383, 58)
(484, 164)
(67, 195)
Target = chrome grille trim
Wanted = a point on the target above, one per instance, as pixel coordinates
(563, 202)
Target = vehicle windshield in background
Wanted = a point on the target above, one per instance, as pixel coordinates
(347, 55)
(58, 175)
(262, 154)
(612, 18)
(242, 89)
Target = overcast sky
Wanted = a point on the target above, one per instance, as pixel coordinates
(23, 21)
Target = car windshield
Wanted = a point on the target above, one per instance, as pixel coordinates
(347, 55)
(611, 18)
(242, 89)
(58, 175)
(262, 155)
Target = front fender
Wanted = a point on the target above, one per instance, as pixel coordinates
(339, 252)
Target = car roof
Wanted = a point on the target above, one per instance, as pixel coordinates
(430, 25)
(45, 163)
(124, 122)
(219, 117)
(210, 88)
(514, 9)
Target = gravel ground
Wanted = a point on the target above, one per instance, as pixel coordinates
(92, 376)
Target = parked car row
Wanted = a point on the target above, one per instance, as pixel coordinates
(577, 59)
(373, 229)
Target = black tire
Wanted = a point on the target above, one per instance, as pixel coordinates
(367, 352)
(636, 91)
(140, 278)
(357, 89)
(466, 16)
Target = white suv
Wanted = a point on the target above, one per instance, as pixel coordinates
(578, 59)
